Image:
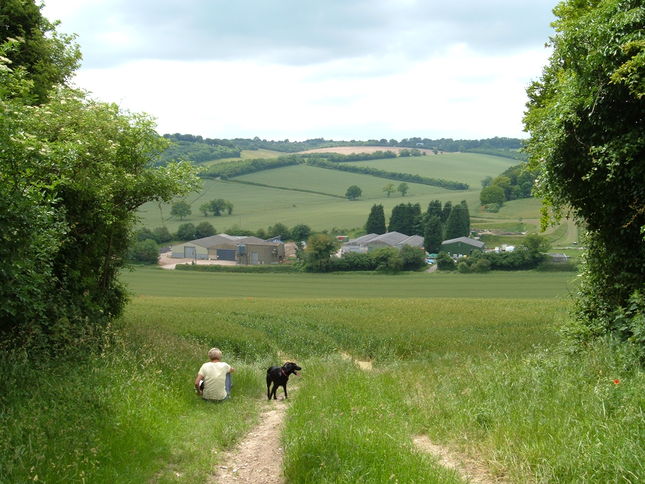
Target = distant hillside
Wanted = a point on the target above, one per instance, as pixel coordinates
(198, 149)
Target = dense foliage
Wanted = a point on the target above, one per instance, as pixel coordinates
(376, 220)
(585, 117)
(497, 145)
(45, 57)
(72, 173)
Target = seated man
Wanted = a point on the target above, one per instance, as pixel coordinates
(213, 381)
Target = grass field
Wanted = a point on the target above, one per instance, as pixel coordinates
(469, 168)
(482, 377)
(153, 281)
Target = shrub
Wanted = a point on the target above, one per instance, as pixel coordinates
(445, 262)
(162, 235)
(186, 231)
(144, 251)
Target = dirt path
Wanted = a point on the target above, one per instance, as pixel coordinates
(258, 458)
(468, 469)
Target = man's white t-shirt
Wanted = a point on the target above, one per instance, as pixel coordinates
(214, 373)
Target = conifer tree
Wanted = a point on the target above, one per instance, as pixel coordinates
(376, 221)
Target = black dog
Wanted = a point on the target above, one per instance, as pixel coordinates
(279, 376)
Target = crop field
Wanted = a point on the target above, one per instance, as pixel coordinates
(154, 281)
(482, 378)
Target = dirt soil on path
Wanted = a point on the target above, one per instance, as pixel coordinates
(258, 458)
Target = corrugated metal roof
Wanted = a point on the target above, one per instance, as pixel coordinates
(364, 239)
(466, 240)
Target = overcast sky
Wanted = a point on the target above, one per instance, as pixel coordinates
(298, 69)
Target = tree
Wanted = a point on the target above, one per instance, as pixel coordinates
(412, 258)
(433, 235)
(204, 229)
(318, 252)
(353, 192)
(186, 231)
(376, 221)
(403, 188)
(445, 213)
(405, 219)
(434, 209)
(205, 208)
(389, 188)
(180, 209)
(465, 218)
(144, 251)
(487, 181)
(536, 244)
(47, 57)
(586, 124)
(456, 226)
(492, 194)
(445, 262)
(279, 230)
(162, 235)
(73, 172)
(300, 232)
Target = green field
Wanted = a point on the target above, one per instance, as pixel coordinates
(153, 281)
(257, 207)
(480, 373)
(469, 168)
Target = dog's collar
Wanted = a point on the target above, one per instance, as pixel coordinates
(283, 372)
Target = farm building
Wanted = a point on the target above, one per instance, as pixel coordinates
(461, 245)
(370, 242)
(243, 250)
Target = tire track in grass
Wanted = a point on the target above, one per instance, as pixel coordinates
(258, 458)
(468, 469)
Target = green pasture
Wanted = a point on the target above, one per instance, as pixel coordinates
(153, 281)
(469, 168)
(258, 207)
(485, 378)
(336, 182)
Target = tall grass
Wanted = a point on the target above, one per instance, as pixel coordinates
(483, 377)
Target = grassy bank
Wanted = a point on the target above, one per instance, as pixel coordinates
(482, 377)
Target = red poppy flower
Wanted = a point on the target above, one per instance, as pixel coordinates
(616, 382)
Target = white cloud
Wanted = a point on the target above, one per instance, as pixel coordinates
(458, 94)
(302, 68)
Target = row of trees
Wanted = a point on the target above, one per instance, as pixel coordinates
(436, 224)
(392, 175)
(73, 171)
(215, 207)
(443, 144)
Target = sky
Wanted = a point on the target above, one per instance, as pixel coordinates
(301, 69)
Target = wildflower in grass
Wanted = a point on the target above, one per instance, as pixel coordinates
(616, 382)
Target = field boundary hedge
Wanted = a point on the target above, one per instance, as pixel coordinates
(266, 185)
(321, 160)
(390, 175)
